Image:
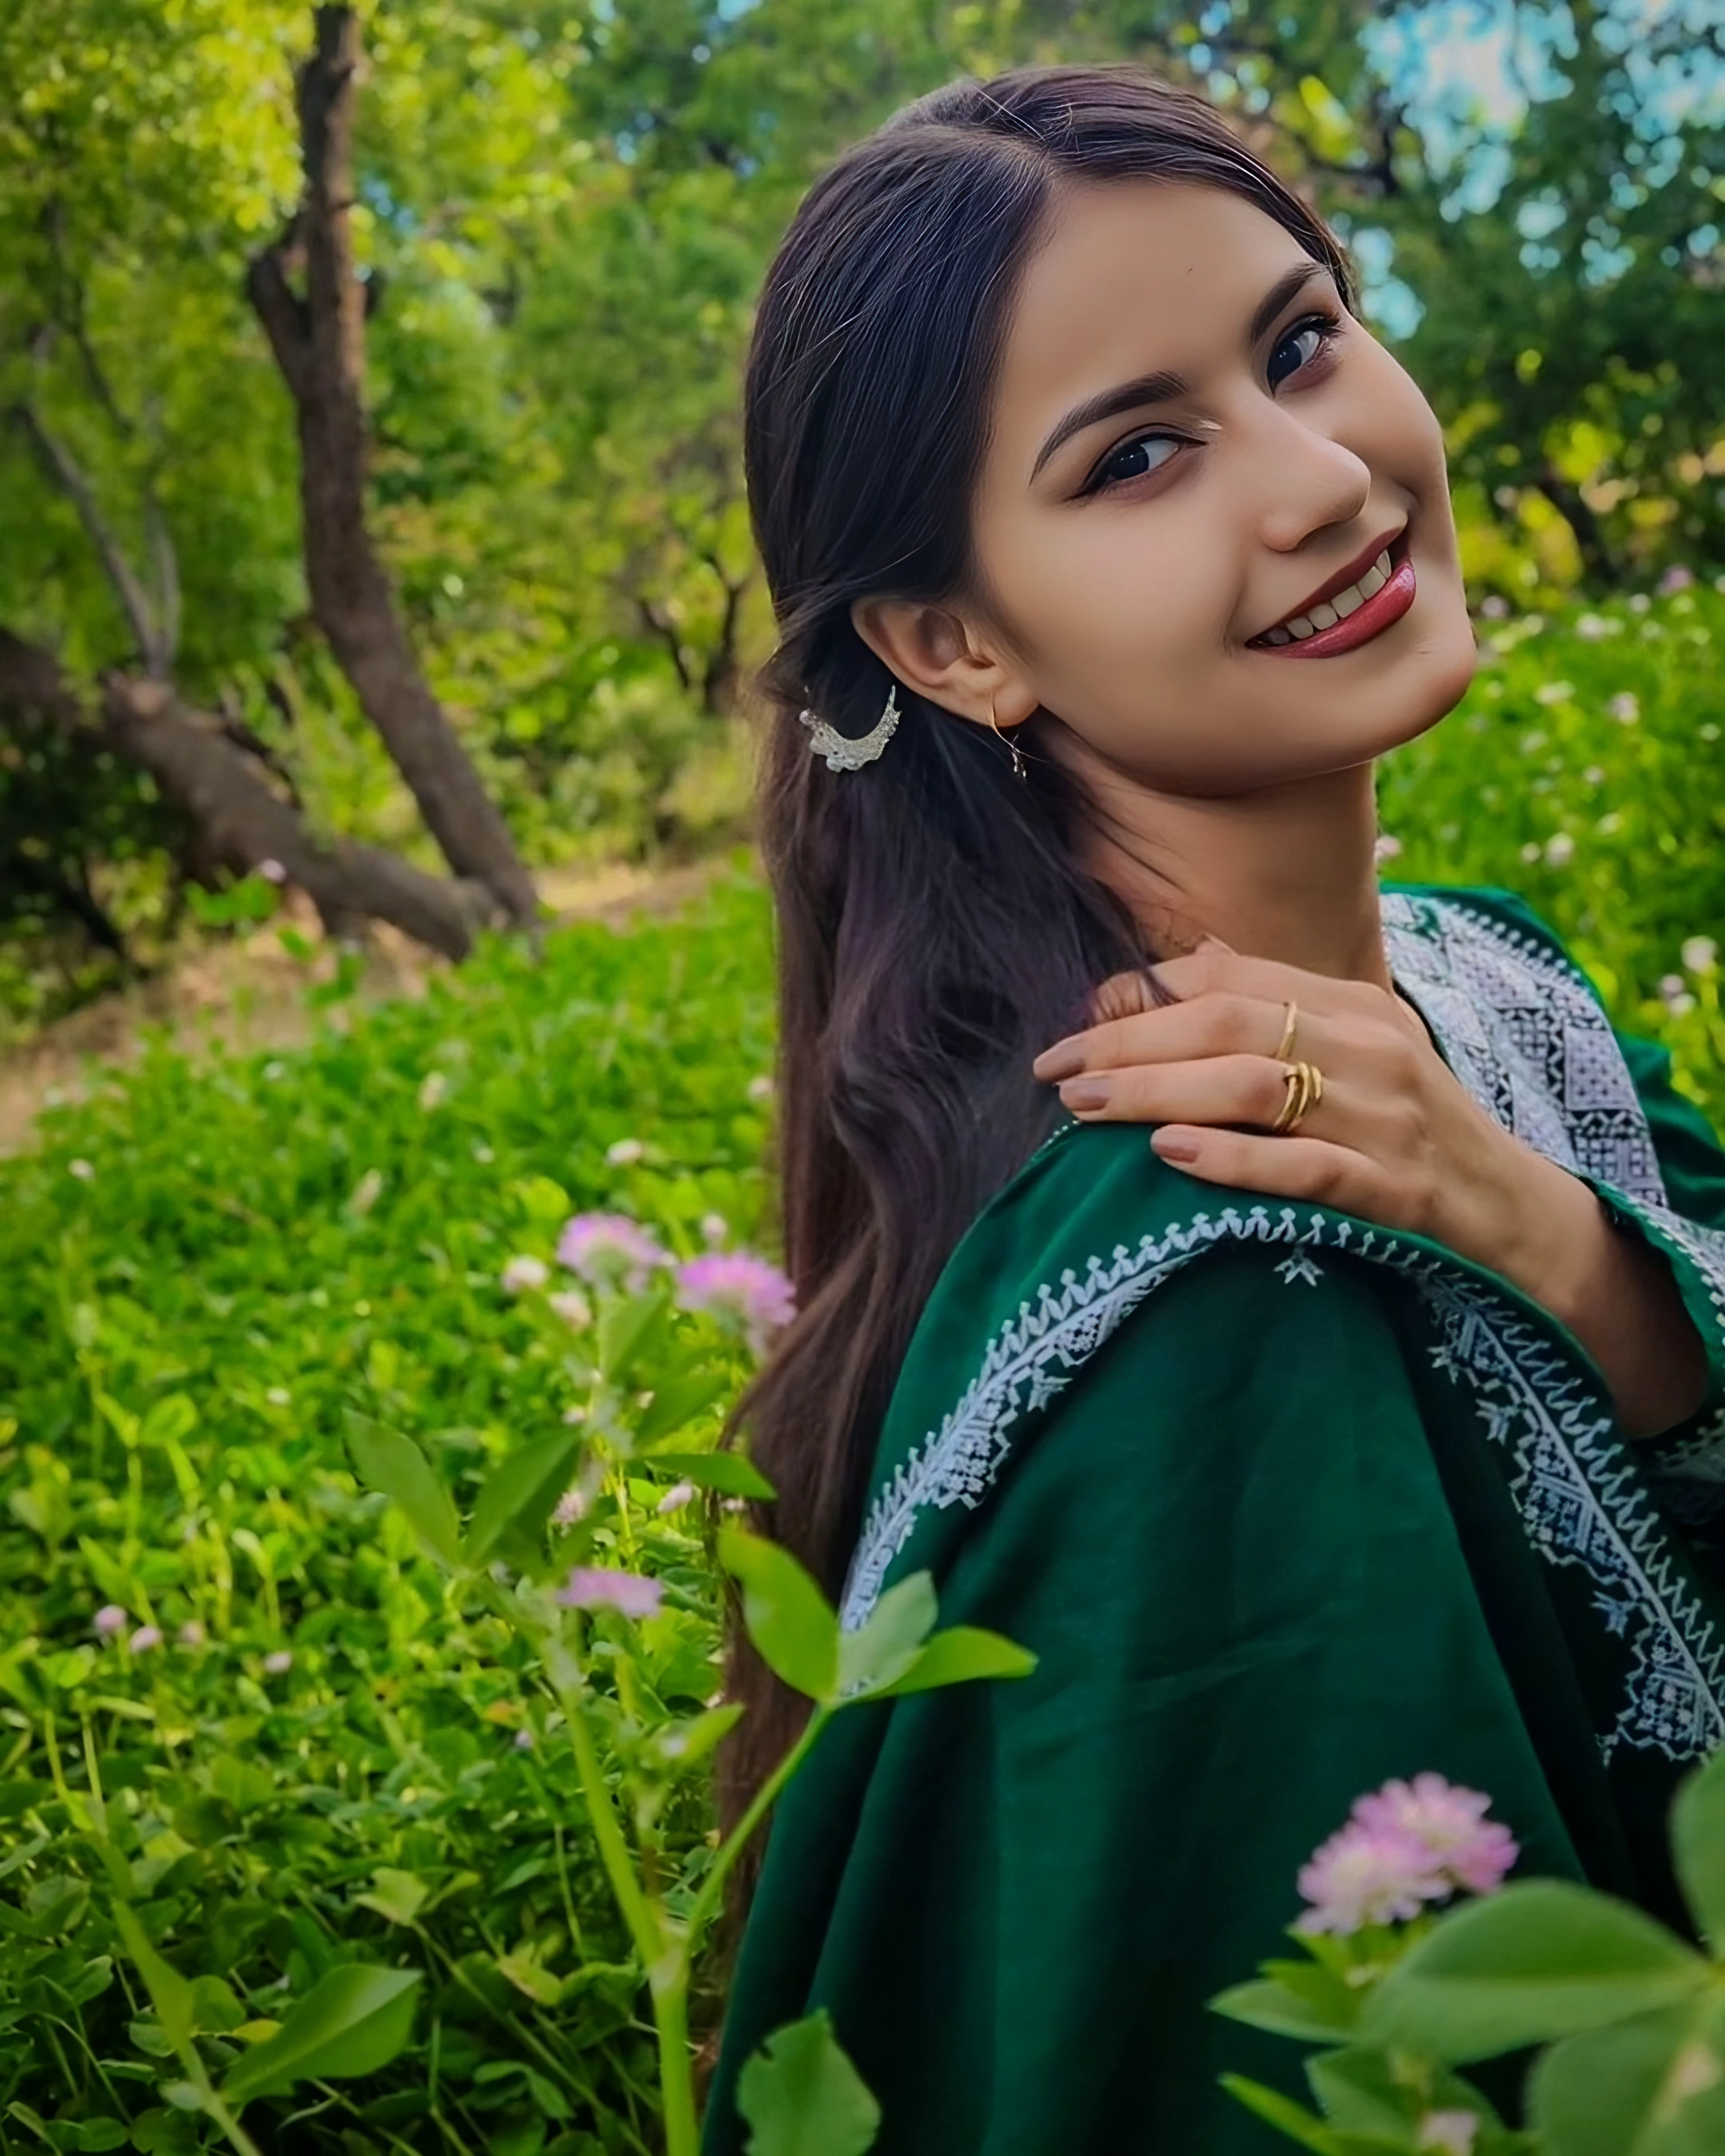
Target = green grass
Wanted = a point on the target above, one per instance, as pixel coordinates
(207, 1269)
(211, 1266)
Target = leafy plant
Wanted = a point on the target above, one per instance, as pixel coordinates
(1631, 2018)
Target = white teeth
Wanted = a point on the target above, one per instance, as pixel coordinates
(1336, 608)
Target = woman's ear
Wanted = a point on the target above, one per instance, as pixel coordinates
(933, 651)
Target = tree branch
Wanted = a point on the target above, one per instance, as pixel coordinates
(240, 822)
(149, 633)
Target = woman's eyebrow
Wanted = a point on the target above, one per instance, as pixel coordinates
(1163, 387)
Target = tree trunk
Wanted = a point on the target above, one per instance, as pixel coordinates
(319, 344)
(241, 824)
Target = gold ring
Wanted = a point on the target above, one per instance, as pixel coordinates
(1284, 1047)
(1305, 1084)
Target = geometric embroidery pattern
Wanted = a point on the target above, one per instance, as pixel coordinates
(1524, 1033)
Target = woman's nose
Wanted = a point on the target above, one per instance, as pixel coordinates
(1314, 481)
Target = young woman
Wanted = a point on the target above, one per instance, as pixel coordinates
(1361, 1419)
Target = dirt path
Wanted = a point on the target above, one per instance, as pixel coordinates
(248, 994)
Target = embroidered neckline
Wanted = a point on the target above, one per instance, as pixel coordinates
(1525, 1035)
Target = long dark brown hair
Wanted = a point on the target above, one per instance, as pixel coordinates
(935, 927)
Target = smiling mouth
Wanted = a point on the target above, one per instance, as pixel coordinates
(1350, 616)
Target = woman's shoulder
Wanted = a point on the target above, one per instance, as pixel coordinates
(1480, 916)
(1096, 1241)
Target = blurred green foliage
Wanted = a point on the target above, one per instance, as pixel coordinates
(211, 1269)
(564, 212)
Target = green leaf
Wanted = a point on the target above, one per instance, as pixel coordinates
(1374, 2093)
(881, 1650)
(398, 1896)
(1698, 1845)
(790, 1621)
(1284, 2114)
(677, 1401)
(686, 1744)
(384, 1460)
(170, 1994)
(353, 2021)
(542, 1200)
(521, 1494)
(727, 1472)
(1651, 2087)
(169, 1421)
(217, 2009)
(802, 2096)
(530, 1976)
(624, 1328)
(1540, 1960)
(958, 1655)
(1267, 2004)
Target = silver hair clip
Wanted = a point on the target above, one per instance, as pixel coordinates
(841, 753)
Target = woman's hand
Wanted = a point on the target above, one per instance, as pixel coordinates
(1396, 1139)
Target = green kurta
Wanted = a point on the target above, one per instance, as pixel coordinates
(1286, 1504)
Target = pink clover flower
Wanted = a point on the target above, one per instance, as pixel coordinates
(601, 1587)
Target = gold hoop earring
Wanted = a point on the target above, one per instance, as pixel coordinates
(1018, 761)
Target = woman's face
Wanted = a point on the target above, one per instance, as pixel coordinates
(1194, 442)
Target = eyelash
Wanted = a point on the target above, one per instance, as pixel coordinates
(1328, 327)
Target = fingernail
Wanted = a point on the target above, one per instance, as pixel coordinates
(1173, 1145)
(1214, 943)
(1064, 1060)
(1082, 1093)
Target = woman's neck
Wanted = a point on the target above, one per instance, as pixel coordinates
(1289, 872)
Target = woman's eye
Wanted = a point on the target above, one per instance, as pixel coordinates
(1298, 349)
(1135, 459)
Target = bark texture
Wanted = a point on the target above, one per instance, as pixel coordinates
(241, 822)
(318, 338)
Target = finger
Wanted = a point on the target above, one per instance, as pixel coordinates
(1212, 968)
(1124, 995)
(1312, 1169)
(1223, 1023)
(1221, 1089)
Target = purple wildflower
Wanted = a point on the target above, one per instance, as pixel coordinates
(1450, 1823)
(734, 1284)
(1367, 1875)
(600, 1586)
(191, 1634)
(605, 1248)
(110, 1620)
(145, 1637)
(1676, 579)
(522, 1274)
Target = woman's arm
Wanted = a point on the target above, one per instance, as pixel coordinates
(1615, 1291)
(1396, 1139)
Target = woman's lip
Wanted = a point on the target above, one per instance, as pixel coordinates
(1386, 605)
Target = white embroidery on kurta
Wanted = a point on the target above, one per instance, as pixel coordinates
(1582, 1505)
(1524, 1034)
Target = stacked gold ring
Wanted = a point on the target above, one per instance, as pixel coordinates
(1305, 1084)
